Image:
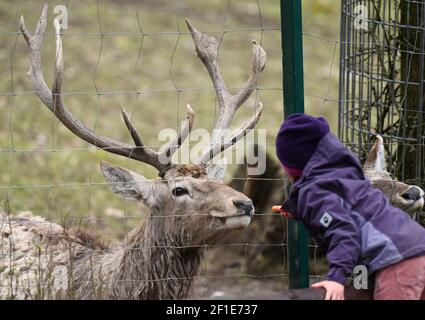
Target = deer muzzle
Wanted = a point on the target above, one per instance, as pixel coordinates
(413, 193)
(245, 206)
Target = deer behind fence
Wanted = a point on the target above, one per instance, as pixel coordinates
(189, 206)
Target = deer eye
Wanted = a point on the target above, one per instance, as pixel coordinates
(179, 191)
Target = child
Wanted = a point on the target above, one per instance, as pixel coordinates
(348, 218)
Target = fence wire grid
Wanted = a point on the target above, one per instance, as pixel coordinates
(139, 54)
(382, 82)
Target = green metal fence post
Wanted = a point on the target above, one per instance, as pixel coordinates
(293, 95)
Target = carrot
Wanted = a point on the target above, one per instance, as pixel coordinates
(276, 209)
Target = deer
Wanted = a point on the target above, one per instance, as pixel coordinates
(188, 205)
(408, 198)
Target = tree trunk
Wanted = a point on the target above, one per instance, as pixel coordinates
(409, 160)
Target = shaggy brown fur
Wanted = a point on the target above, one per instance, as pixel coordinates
(158, 260)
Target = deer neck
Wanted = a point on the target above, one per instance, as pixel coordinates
(158, 261)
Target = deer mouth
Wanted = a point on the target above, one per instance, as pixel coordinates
(234, 221)
(222, 216)
(416, 205)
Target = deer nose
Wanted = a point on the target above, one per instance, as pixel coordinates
(412, 193)
(245, 206)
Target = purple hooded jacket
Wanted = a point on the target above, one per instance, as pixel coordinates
(350, 220)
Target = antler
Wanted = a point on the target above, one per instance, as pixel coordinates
(53, 100)
(207, 50)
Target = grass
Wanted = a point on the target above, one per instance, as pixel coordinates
(47, 170)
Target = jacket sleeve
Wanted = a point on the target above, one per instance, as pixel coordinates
(323, 211)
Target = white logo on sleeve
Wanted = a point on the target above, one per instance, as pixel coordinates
(326, 219)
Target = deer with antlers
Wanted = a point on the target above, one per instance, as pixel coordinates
(189, 206)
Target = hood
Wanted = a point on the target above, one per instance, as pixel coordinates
(331, 159)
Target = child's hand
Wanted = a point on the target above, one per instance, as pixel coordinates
(334, 290)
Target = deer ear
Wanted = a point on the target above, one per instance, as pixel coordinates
(127, 184)
(217, 170)
(376, 158)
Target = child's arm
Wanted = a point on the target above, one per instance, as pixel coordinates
(326, 215)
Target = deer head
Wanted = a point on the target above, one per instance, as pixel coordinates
(406, 197)
(194, 196)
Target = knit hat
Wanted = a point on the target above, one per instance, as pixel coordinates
(297, 140)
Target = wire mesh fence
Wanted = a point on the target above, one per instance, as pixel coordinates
(382, 82)
(140, 54)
